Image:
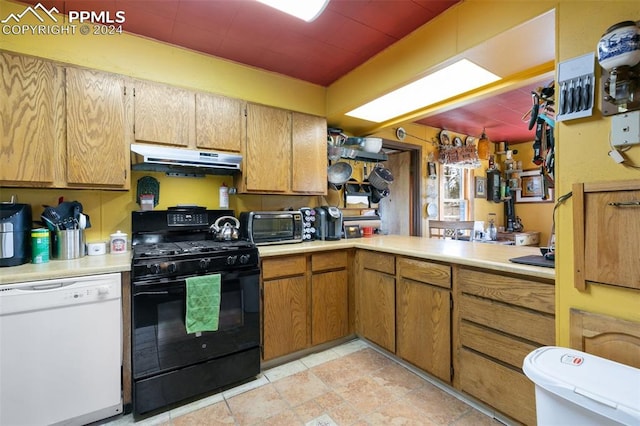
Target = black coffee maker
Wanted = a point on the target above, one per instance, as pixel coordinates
(328, 223)
(15, 234)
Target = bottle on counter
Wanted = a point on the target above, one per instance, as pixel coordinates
(224, 196)
(493, 231)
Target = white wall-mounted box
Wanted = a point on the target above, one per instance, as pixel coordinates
(625, 129)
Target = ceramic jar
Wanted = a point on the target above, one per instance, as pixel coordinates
(118, 242)
(620, 46)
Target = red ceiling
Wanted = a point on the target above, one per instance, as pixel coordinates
(344, 36)
(501, 116)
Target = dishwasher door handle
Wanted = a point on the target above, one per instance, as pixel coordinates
(48, 286)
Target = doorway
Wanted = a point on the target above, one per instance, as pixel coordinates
(400, 212)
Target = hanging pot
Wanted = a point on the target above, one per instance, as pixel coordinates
(380, 177)
(378, 194)
(226, 228)
(339, 173)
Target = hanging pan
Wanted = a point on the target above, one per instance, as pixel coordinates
(339, 173)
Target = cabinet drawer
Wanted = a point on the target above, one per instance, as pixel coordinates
(539, 296)
(530, 325)
(508, 390)
(329, 260)
(283, 266)
(496, 345)
(425, 272)
(378, 262)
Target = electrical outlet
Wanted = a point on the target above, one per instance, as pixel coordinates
(625, 129)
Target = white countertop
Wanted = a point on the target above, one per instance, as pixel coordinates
(87, 265)
(488, 256)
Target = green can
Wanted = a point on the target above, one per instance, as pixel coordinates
(39, 245)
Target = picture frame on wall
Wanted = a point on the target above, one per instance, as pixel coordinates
(532, 188)
(481, 186)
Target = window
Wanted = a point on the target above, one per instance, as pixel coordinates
(454, 187)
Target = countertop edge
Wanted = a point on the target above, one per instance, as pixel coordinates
(473, 254)
(55, 269)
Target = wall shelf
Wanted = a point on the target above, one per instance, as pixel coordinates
(369, 156)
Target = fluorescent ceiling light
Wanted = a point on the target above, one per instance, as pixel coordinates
(453, 80)
(307, 10)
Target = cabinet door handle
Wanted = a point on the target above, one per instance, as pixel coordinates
(625, 204)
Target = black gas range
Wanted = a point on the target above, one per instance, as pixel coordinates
(158, 260)
(171, 366)
(178, 241)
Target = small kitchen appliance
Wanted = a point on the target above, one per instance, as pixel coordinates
(272, 227)
(172, 248)
(328, 223)
(15, 234)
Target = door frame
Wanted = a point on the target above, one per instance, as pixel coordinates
(415, 187)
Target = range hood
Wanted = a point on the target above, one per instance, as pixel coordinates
(163, 159)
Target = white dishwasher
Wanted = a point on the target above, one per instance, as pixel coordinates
(60, 351)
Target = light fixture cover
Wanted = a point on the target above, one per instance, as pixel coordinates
(455, 79)
(483, 146)
(307, 10)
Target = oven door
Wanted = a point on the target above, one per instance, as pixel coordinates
(160, 342)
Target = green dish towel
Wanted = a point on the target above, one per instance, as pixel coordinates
(203, 303)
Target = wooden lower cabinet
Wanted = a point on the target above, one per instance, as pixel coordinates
(423, 316)
(305, 301)
(605, 336)
(375, 298)
(284, 306)
(329, 296)
(500, 318)
(285, 316)
(500, 386)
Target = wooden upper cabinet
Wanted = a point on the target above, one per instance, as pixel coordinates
(268, 150)
(32, 124)
(164, 114)
(98, 134)
(606, 221)
(219, 122)
(309, 154)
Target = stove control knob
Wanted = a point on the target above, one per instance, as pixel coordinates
(204, 262)
(231, 260)
(172, 267)
(154, 268)
(245, 258)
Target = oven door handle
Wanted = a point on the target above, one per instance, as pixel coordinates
(152, 293)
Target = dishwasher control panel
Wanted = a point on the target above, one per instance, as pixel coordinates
(49, 294)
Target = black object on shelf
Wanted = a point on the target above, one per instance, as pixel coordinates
(493, 186)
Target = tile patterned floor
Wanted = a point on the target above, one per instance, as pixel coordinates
(352, 384)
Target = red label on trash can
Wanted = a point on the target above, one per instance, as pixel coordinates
(572, 359)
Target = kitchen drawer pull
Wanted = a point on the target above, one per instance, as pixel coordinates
(625, 204)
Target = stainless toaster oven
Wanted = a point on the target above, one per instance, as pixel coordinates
(272, 227)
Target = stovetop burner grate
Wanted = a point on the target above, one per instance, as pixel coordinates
(187, 247)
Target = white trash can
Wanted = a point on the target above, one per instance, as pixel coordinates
(576, 388)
